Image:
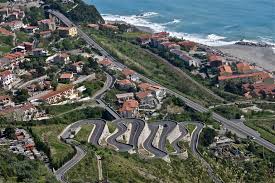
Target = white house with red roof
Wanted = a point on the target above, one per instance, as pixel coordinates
(6, 79)
(129, 109)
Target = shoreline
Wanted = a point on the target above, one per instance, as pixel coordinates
(260, 54)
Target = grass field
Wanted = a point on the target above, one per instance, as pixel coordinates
(83, 134)
(139, 60)
(123, 167)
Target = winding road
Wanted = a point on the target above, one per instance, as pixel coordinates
(134, 129)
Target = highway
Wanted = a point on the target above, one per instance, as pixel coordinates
(242, 130)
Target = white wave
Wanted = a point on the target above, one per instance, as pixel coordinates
(142, 20)
(175, 21)
(148, 14)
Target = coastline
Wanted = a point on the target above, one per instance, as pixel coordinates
(263, 57)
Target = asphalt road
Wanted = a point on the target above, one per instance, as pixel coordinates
(245, 131)
(60, 173)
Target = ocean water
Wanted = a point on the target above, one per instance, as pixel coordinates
(211, 22)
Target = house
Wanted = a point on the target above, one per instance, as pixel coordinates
(106, 62)
(158, 91)
(62, 57)
(46, 24)
(60, 94)
(28, 46)
(243, 67)
(130, 74)
(19, 48)
(256, 76)
(144, 39)
(188, 45)
(129, 109)
(125, 84)
(121, 98)
(168, 45)
(39, 52)
(5, 101)
(31, 29)
(25, 112)
(108, 27)
(66, 77)
(15, 57)
(67, 31)
(45, 34)
(259, 90)
(6, 79)
(158, 38)
(14, 25)
(215, 60)
(78, 66)
(186, 58)
(146, 99)
(225, 70)
(93, 26)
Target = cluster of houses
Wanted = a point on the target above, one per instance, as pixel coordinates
(40, 88)
(256, 81)
(138, 97)
(23, 144)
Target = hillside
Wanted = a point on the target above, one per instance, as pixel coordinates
(78, 12)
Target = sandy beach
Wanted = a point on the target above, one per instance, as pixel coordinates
(262, 56)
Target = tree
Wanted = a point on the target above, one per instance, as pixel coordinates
(208, 136)
(9, 132)
(21, 96)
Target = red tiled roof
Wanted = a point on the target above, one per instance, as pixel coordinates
(256, 75)
(213, 57)
(66, 76)
(187, 44)
(142, 95)
(45, 21)
(5, 73)
(259, 87)
(124, 82)
(148, 86)
(127, 72)
(243, 67)
(129, 105)
(225, 69)
(105, 62)
(58, 91)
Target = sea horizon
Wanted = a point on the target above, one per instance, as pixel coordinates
(222, 23)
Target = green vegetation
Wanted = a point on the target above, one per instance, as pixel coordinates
(33, 15)
(266, 127)
(92, 87)
(149, 65)
(82, 13)
(6, 43)
(21, 96)
(259, 167)
(59, 109)
(229, 112)
(123, 167)
(16, 168)
(83, 134)
(59, 151)
(190, 128)
(207, 136)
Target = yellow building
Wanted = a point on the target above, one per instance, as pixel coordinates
(67, 31)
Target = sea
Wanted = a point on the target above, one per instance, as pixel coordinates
(210, 22)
